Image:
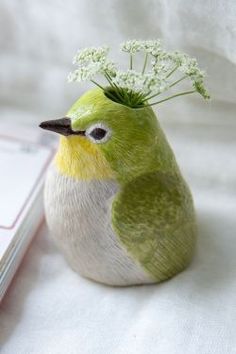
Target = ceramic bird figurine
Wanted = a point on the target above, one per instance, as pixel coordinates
(116, 203)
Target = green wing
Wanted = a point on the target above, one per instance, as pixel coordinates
(154, 218)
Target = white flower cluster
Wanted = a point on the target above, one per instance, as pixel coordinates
(189, 67)
(152, 46)
(156, 76)
(161, 66)
(91, 61)
(133, 81)
(132, 47)
(92, 54)
(164, 62)
(84, 73)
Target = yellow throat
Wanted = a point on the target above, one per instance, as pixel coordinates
(79, 158)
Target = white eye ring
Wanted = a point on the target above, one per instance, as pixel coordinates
(101, 127)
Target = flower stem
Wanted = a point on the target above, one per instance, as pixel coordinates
(111, 97)
(94, 82)
(156, 94)
(104, 90)
(107, 76)
(177, 81)
(170, 97)
(174, 83)
(126, 96)
(172, 71)
(131, 61)
(116, 88)
(145, 63)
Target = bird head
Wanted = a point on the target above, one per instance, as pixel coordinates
(104, 139)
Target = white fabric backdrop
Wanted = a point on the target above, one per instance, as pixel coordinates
(39, 39)
(49, 309)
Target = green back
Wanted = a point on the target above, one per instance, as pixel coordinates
(154, 218)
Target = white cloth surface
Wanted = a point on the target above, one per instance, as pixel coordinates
(51, 310)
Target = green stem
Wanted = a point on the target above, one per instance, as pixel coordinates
(145, 63)
(146, 94)
(156, 94)
(106, 76)
(125, 94)
(112, 97)
(172, 71)
(118, 99)
(114, 86)
(170, 97)
(174, 83)
(94, 82)
(131, 61)
(139, 99)
(109, 80)
(177, 81)
(103, 88)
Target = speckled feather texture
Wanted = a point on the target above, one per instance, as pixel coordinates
(118, 208)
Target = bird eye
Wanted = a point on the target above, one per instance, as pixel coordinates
(98, 133)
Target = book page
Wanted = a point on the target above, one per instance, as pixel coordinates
(22, 166)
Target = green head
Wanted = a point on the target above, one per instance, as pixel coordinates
(105, 135)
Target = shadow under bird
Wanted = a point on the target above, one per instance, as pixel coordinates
(116, 203)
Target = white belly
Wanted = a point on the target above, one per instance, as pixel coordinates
(78, 216)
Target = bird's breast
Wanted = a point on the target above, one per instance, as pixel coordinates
(78, 214)
(74, 205)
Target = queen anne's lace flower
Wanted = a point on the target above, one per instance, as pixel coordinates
(132, 46)
(84, 73)
(153, 47)
(92, 61)
(189, 67)
(161, 67)
(92, 54)
(133, 81)
(129, 80)
(134, 88)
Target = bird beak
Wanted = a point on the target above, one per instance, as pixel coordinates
(60, 126)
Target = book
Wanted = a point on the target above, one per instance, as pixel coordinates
(25, 154)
